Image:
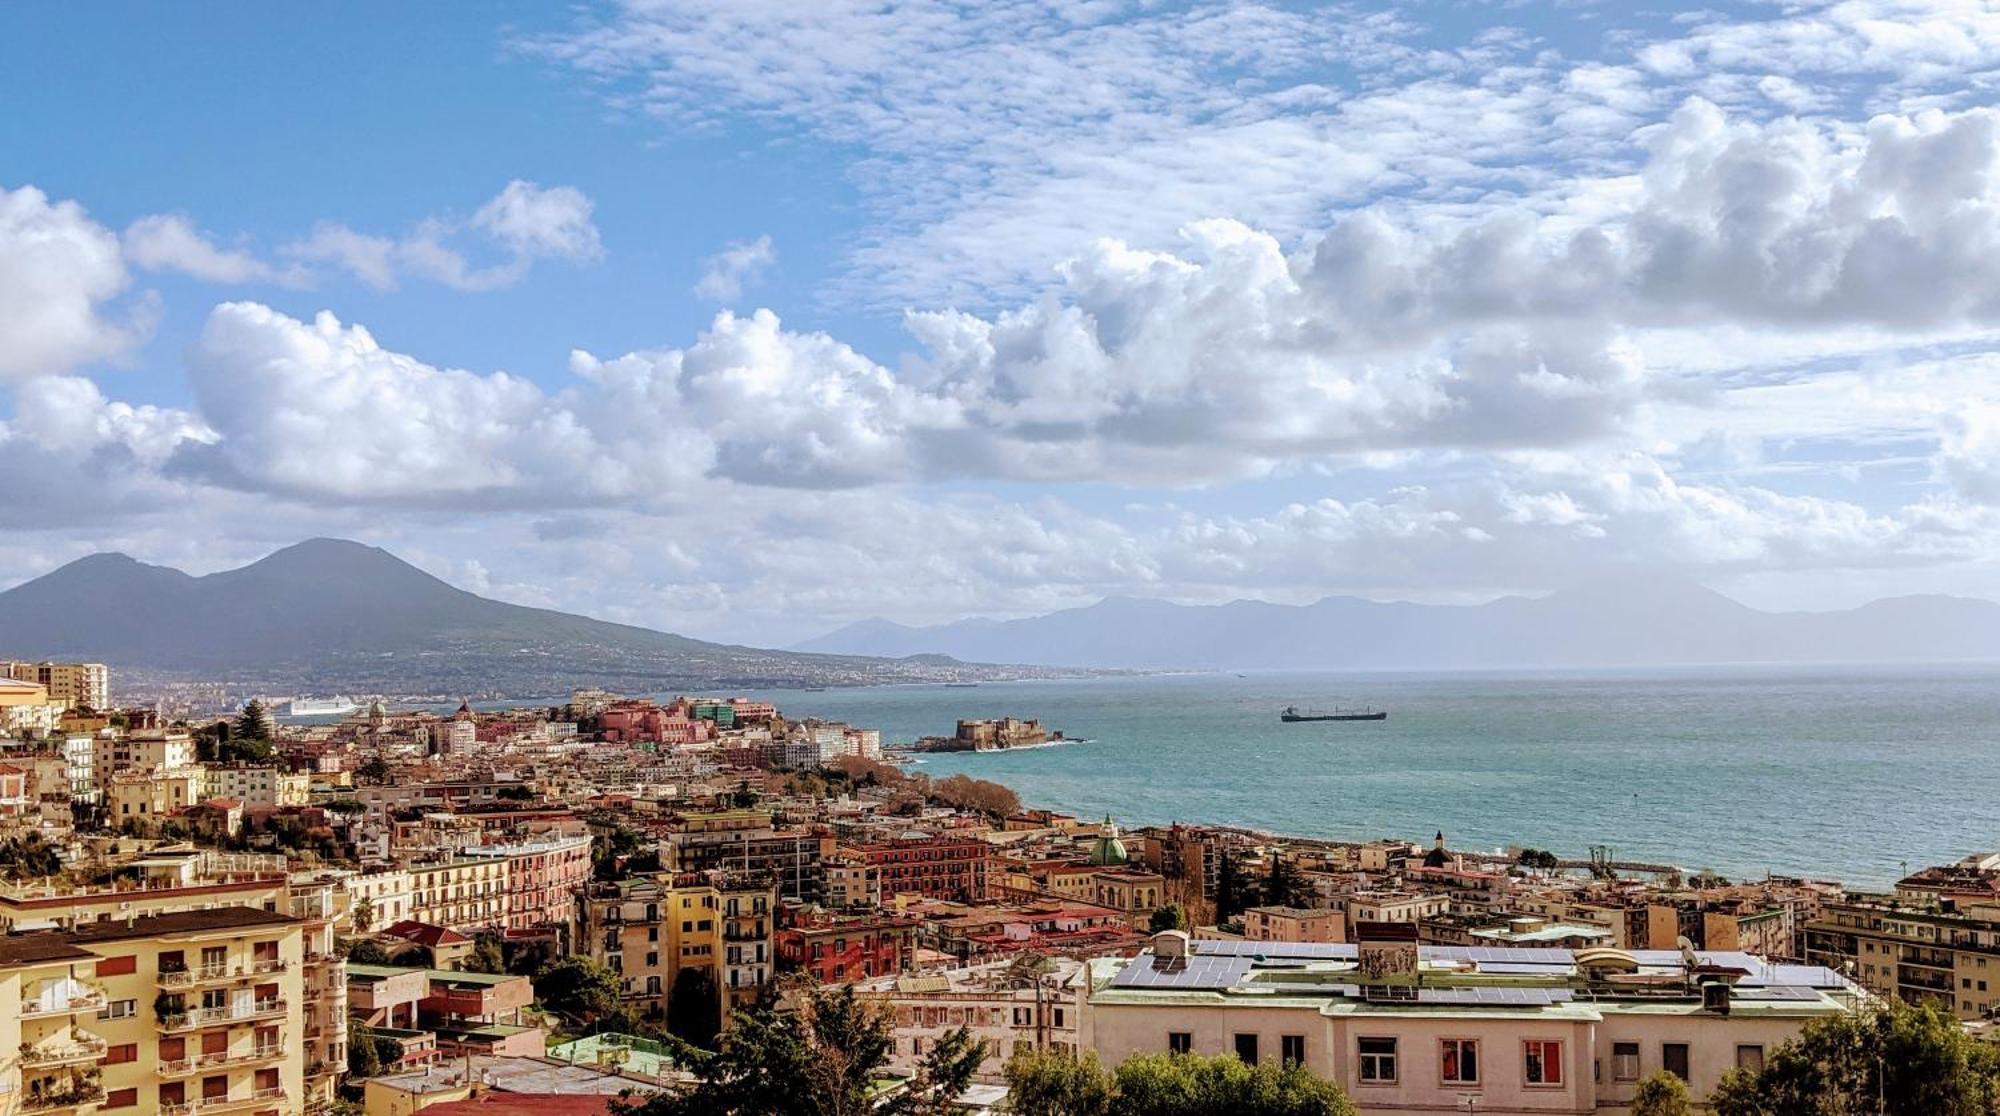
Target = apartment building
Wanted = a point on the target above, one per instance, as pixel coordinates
(149, 749)
(147, 795)
(1922, 951)
(651, 931)
(25, 708)
(1294, 924)
(168, 1013)
(838, 948)
(1007, 1006)
(930, 867)
(257, 786)
(1405, 1028)
(541, 879)
(745, 843)
(70, 685)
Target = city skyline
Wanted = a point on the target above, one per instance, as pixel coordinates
(749, 321)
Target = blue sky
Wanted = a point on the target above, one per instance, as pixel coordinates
(751, 319)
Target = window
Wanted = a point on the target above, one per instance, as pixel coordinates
(118, 966)
(119, 1009)
(1246, 1049)
(1458, 1063)
(1377, 1057)
(113, 1055)
(1625, 1061)
(1059, 1018)
(121, 1098)
(1180, 1042)
(1674, 1059)
(1292, 1049)
(1750, 1056)
(1542, 1062)
(1024, 1017)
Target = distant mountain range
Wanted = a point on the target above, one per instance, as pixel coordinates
(328, 615)
(1640, 623)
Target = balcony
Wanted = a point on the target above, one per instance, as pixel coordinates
(267, 965)
(227, 1102)
(76, 1048)
(199, 1063)
(93, 1000)
(59, 1101)
(214, 1016)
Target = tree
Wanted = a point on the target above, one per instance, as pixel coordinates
(374, 770)
(1169, 917)
(486, 956)
(1283, 887)
(363, 914)
(1228, 890)
(1057, 1083)
(1662, 1094)
(515, 792)
(369, 1053)
(1895, 1059)
(1538, 859)
(985, 796)
(577, 988)
(1052, 1084)
(821, 1060)
(694, 1007)
(28, 856)
(367, 951)
(254, 723)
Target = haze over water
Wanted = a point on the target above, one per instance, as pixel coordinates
(1841, 772)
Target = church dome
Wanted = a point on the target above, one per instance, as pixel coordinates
(1109, 851)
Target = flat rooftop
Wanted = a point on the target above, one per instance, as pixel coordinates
(1468, 979)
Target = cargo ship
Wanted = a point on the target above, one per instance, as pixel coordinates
(1293, 713)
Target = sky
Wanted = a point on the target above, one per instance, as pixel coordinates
(751, 319)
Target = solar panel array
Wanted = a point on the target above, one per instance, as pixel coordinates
(1194, 973)
(1773, 992)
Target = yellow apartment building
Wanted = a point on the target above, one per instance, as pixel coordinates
(194, 1011)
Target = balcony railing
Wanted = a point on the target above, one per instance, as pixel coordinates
(77, 1049)
(267, 965)
(182, 1108)
(208, 1017)
(201, 974)
(255, 1096)
(89, 1001)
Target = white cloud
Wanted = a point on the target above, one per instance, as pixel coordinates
(724, 274)
(59, 271)
(522, 225)
(171, 242)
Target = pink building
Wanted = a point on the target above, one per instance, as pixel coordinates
(629, 722)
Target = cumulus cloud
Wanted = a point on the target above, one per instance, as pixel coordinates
(59, 273)
(524, 224)
(724, 274)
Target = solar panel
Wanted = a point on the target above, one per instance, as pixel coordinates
(1775, 992)
(1197, 972)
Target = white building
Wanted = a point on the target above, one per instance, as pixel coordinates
(1007, 1005)
(1419, 1029)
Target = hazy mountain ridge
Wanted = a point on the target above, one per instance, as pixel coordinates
(330, 614)
(1642, 623)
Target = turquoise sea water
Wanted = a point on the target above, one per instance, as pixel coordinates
(1842, 772)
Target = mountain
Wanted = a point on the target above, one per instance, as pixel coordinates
(328, 614)
(1657, 621)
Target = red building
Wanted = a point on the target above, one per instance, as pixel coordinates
(836, 948)
(633, 721)
(932, 867)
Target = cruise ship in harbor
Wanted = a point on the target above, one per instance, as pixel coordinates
(335, 706)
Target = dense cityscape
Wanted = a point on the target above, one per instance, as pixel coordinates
(561, 908)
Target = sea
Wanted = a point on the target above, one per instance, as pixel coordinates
(1852, 773)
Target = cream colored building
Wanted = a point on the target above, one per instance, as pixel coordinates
(1409, 1029)
(140, 750)
(257, 786)
(25, 707)
(169, 1014)
(70, 685)
(1008, 1008)
(1294, 924)
(147, 795)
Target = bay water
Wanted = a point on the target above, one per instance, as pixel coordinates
(1851, 773)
